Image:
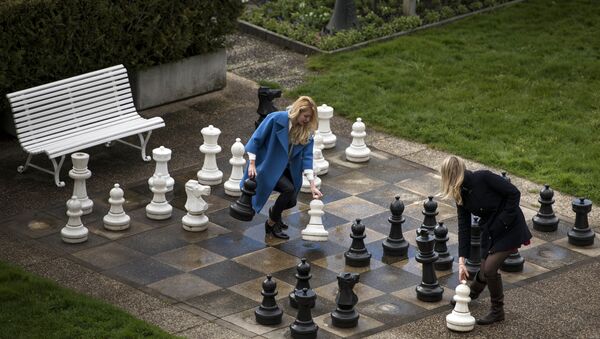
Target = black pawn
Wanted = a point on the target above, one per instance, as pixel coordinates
(514, 262)
(429, 211)
(357, 255)
(473, 262)
(545, 220)
(445, 260)
(268, 313)
(395, 245)
(429, 290)
(302, 280)
(304, 327)
(345, 316)
(242, 208)
(265, 103)
(581, 234)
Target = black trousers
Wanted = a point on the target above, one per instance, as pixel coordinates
(287, 197)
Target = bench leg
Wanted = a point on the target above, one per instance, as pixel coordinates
(143, 143)
(55, 173)
(22, 168)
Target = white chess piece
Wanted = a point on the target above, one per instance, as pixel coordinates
(159, 208)
(306, 184)
(80, 173)
(325, 113)
(318, 157)
(74, 232)
(116, 219)
(461, 319)
(237, 162)
(358, 150)
(210, 174)
(162, 155)
(315, 231)
(195, 220)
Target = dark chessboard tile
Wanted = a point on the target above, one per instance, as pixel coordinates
(60, 212)
(108, 255)
(393, 170)
(389, 278)
(376, 250)
(222, 218)
(270, 260)
(183, 286)
(212, 230)
(379, 222)
(384, 196)
(335, 168)
(222, 303)
(551, 256)
(140, 216)
(154, 241)
(227, 273)
(320, 276)
(341, 235)
(135, 227)
(388, 308)
(55, 241)
(330, 194)
(189, 258)
(311, 250)
(561, 231)
(356, 183)
(416, 209)
(143, 272)
(36, 224)
(133, 199)
(231, 245)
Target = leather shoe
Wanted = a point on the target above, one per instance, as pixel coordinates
(282, 225)
(275, 230)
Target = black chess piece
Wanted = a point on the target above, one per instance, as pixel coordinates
(581, 234)
(430, 212)
(545, 220)
(429, 289)
(268, 313)
(265, 103)
(242, 208)
(473, 262)
(302, 281)
(395, 245)
(345, 316)
(514, 262)
(357, 255)
(304, 327)
(445, 260)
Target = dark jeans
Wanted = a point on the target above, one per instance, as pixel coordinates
(287, 196)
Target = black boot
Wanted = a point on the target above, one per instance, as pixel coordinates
(496, 313)
(275, 230)
(282, 225)
(476, 286)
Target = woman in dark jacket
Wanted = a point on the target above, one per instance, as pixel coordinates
(503, 228)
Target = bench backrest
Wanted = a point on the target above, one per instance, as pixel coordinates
(56, 109)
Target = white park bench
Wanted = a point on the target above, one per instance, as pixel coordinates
(69, 115)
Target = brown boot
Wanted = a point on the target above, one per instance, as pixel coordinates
(476, 286)
(496, 313)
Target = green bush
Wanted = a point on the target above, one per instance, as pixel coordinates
(489, 3)
(447, 12)
(462, 9)
(477, 5)
(431, 17)
(45, 40)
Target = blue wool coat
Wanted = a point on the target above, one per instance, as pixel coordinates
(270, 144)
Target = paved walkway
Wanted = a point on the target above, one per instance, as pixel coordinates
(205, 285)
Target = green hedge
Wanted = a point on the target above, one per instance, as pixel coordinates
(45, 40)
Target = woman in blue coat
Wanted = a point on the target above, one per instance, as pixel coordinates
(280, 151)
(503, 228)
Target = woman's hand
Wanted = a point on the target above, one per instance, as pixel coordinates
(315, 191)
(463, 274)
(251, 170)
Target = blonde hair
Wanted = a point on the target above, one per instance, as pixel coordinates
(453, 173)
(299, 134)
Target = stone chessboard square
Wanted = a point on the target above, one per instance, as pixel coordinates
(409, 294)
(222, 218)
(140, 215)
(591, 251)
(337, 263)
(108, 255)
(365, 323)
(36, 224)
(379, 222)
(227, 273)
(428, 184)
(415, 211)
(252, 289)
(311, 250)
(247, 320)
(267, 260)
(561, 231)
(143, 272)
(55, 241)
(392, 170)
(133, 200)
(390, 309)
(363, 291)
(376, 250)
(60, 212)
(189, 258)
(212, 230)
(320, 276)
(389, 278)
(551, 256)
(529, 270)
(231, 245)
(222, 303)
(183, 286)
(353, 208)
(154, 241)
(335, 168)
(135, 227)
(338, 160)
(330, 194)
(384, 196)
(257, 232)
(341, 235)
(355, 183)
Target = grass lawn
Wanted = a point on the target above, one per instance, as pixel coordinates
(33, 307)
(517, 89)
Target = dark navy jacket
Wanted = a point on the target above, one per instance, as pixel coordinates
(496, 202)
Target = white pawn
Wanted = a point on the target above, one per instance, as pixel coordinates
(318, 154)
(325, 113)
(237, 162)
(74, 232)
(461, 319)
(210, 174)
(315, 231)
(162, 155)
(195, 220)
(116, 219)
(306, 184)
(358, 150)
(79, 174)
(159, 208)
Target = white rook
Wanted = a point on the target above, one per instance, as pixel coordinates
(315, 231)
(210, 174)
(80, 173)
(116, 219)
(237, 162)
(358, 150)
(162, 155)
(325, 113)
(461, 319)
(74, 232)
(195, 220)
